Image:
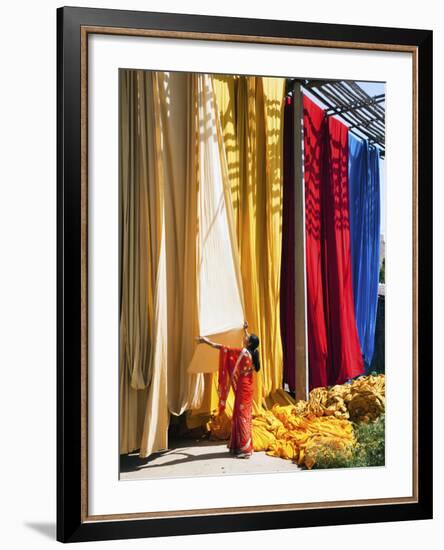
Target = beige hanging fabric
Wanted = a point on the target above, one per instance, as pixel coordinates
(158, 243)
(143, 307)
(179, 153)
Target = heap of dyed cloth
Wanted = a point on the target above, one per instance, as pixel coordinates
(298, 438)
(298, 431)
(363, 400)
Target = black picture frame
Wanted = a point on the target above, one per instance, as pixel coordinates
(71, 523)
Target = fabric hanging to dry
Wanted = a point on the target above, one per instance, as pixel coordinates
(251, 110)
(344, 358)
(142, 277)
(159, 145)
(224, 89)
(221, 305)
(314, 137)
(180, 133)
(363, 171)
(180, 249)
(220, 285)
(165, 146)
(250, 113)
(334, 352)
(287, 292)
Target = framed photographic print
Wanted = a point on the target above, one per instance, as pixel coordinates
(244, 274)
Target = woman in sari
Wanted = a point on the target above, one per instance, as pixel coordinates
(236, 369)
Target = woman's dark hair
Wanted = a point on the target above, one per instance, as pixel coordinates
(253, 344)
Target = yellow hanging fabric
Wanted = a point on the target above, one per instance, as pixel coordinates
(225, 90)
(250, 111)
(273, 90)
(250, 120)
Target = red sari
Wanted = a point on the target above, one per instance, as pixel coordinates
(236, 370)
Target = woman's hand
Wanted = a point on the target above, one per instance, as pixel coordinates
(245, 325)
(205, 340)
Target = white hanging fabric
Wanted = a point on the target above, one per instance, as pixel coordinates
(220, 296)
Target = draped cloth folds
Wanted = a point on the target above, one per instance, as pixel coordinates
(220, 294)
(142, 293)
(314, 138)
(250, 110)
(364, 193)
(334, 351)
(345, 359)
(180, 131)
(158, 213)
(179, 165)
(220, 286)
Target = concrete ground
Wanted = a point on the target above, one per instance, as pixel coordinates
(199, 457)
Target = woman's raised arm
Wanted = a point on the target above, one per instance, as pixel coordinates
(204, 340)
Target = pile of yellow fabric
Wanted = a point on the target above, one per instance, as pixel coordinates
(361, 401)
(301, 430)
(283, 433)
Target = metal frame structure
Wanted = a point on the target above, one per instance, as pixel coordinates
(363, 114)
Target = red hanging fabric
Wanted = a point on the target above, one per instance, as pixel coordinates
(314, 140)
(344, 357)
(333, 344)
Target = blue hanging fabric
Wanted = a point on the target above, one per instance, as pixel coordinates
(365, 219)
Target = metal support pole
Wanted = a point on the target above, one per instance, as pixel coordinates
(301, 343)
